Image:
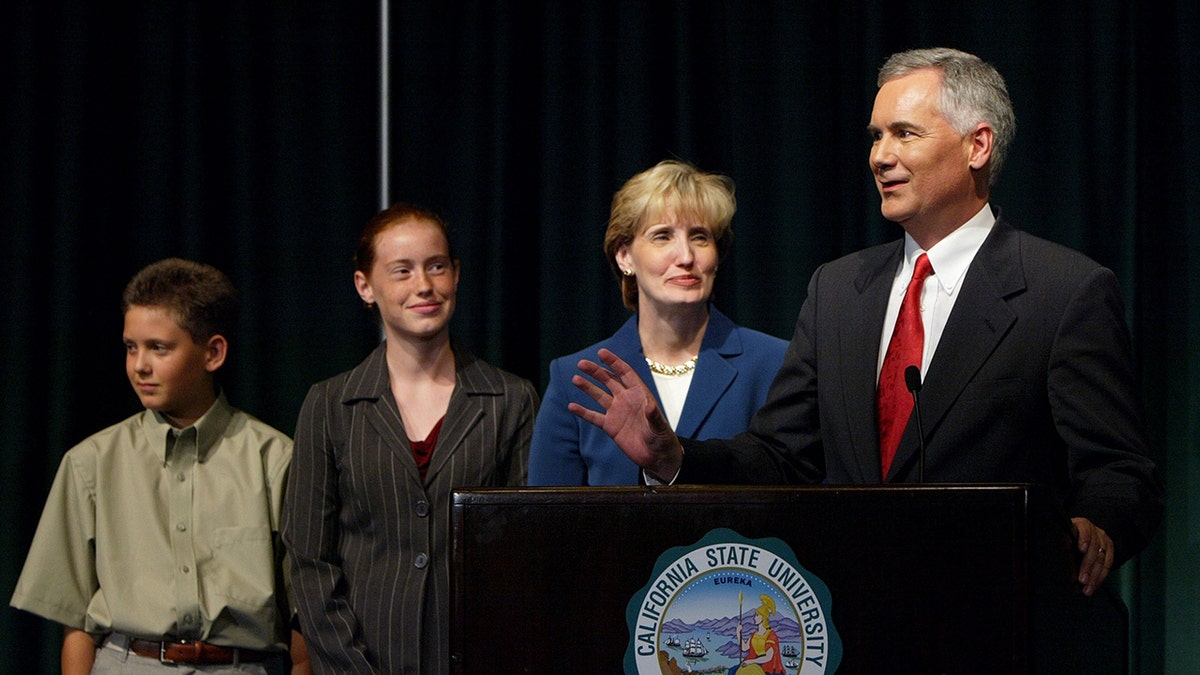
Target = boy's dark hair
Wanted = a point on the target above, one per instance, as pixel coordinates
(200, 298)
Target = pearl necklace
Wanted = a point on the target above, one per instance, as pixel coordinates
(673, 371)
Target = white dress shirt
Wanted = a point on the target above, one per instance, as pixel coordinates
(950, 259)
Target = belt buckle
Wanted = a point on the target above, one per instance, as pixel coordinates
(162, 651)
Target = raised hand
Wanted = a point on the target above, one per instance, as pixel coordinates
(631, 416)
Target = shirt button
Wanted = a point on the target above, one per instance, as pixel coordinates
(422, 508)
(185, 569)
(421, 561)
(180, 477)
(181, 527)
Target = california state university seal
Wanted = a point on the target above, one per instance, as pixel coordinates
(733, 606)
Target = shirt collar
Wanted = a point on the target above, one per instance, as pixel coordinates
(209, 429)
(952, 255)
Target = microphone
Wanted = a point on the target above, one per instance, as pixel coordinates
(912, 379)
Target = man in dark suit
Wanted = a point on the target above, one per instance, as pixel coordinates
(1022, 344)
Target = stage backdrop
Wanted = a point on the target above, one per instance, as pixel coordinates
(246, 135)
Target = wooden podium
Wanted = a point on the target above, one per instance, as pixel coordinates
(922, 579)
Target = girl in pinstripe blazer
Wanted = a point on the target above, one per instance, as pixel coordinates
(378, 450)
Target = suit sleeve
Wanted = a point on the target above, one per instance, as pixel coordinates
(311, 533)
(519, 442)
(1092, 391)
(783, 444)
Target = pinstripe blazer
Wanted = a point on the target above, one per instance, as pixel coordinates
(369, 542)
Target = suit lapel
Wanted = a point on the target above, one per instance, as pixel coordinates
(384, 416)
(713, 375)
(710, 380)
(979, 321)
(858, 350)
(465, 412)
(370, 386)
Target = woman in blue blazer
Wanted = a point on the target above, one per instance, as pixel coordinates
(668, 230)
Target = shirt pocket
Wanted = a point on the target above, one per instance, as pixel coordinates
(243, 567)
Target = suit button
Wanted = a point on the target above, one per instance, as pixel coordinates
(421, 561)
(422, 508)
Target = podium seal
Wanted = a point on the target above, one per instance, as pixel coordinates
(734, 606)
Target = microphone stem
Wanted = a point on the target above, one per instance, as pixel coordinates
(920, 439)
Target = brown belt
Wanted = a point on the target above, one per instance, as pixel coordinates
(194, 652)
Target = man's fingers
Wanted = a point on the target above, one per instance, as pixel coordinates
(597, 393)
(590, 416)
(1098, 554)
(617, 365)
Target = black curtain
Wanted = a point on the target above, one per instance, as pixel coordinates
(238, 134)
(246, 135)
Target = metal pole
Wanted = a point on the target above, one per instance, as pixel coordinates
(384, 94)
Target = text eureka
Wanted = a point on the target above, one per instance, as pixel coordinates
(741, 556)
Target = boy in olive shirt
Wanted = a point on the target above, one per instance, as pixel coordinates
(158, 544)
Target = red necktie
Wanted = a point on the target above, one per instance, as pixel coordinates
(894, 400)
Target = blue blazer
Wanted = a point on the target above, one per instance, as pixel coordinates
(733, 373)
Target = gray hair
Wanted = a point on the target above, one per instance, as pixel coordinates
(972, 91)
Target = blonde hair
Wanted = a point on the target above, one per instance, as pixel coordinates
(670, 186)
